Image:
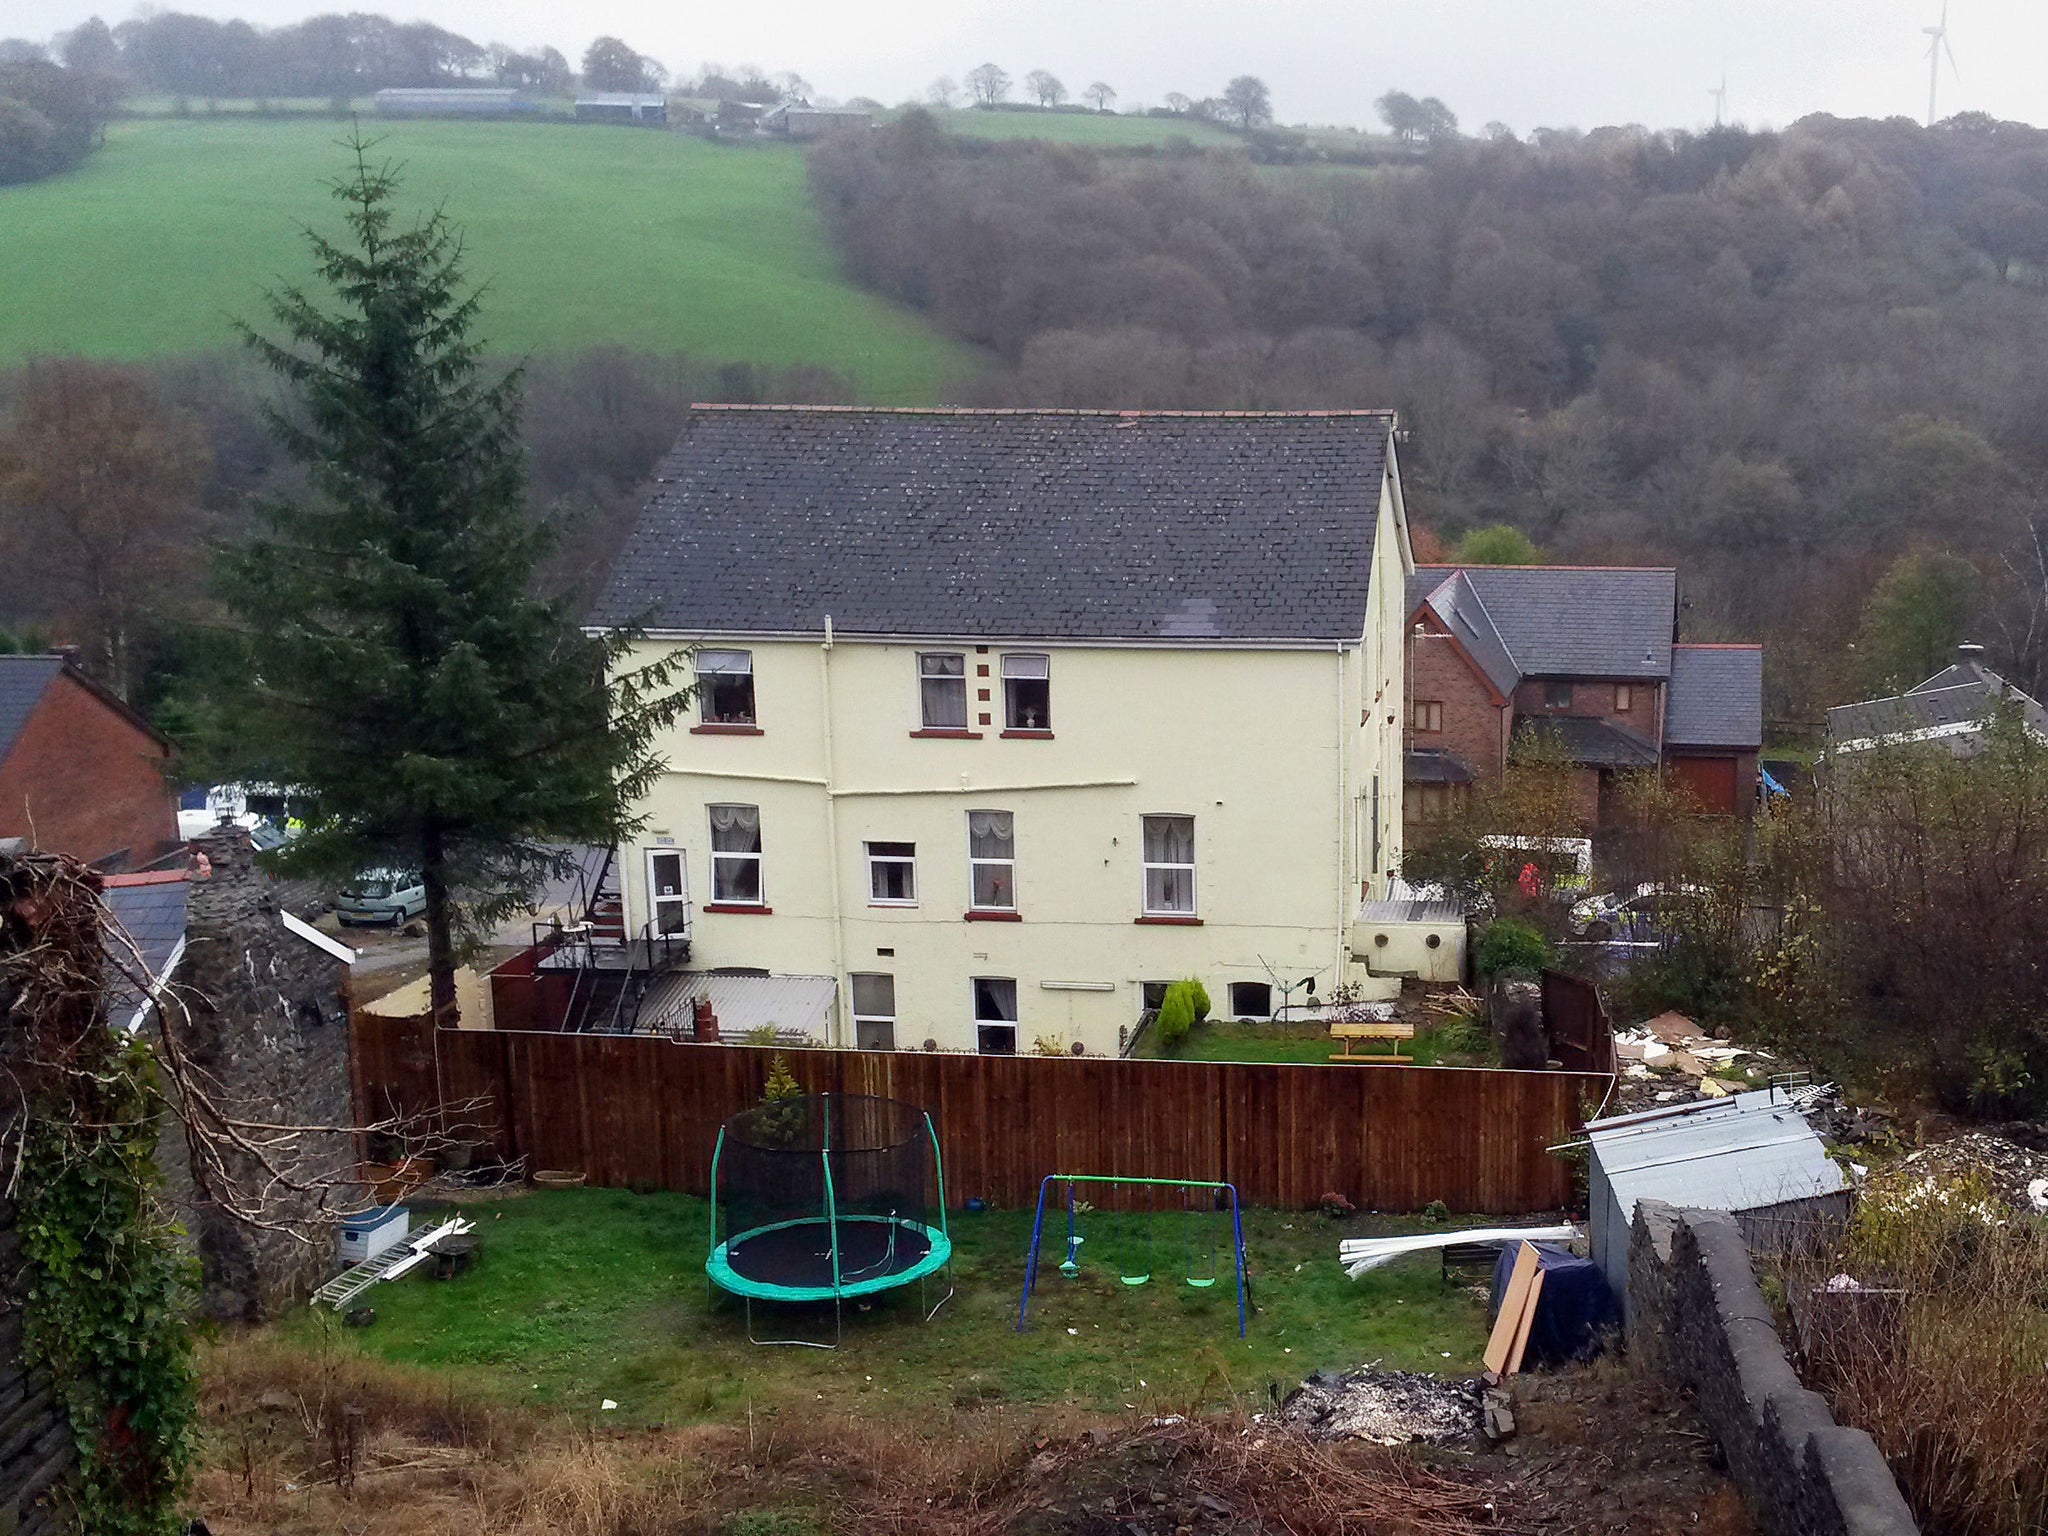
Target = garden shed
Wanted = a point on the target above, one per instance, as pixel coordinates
(1750, 1154)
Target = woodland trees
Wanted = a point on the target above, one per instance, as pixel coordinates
(1781, 361)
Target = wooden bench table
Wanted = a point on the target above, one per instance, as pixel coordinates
(1393, 1033)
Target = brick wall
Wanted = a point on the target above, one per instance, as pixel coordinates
(1644, 714)
(83, 779)
(1475, 727)
(1696, 1314)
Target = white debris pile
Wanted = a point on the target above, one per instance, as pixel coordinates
(1385, 1407)
(1673, 1043)
(2016, 1178)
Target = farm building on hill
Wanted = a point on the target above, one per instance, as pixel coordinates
(454, 101)
(622, 107)
(802, 122)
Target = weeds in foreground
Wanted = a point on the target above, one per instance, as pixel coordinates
(1949, 1377)
(430, 1459)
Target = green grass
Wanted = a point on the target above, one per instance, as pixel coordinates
(586, 235)
(586, 1294)
(1091, 128)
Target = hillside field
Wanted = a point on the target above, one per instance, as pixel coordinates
(1096, 130)
(586, 235)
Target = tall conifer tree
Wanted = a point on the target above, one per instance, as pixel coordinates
(393, 660)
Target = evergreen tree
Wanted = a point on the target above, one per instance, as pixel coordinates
(393, 661)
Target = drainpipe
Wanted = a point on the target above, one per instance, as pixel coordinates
(1343, 807)
(839, 1030)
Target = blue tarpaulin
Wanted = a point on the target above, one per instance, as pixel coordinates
(1573, 1309)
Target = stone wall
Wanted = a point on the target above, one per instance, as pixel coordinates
(270, 1025)
(1697, 1315)
(35, 1434)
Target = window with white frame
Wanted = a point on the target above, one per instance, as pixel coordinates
(892, 874)
(995, 1015)
(725, 687)
(1027, 693)
(1169, 866)
(736, 854)
(874, 1012)
(942, 690)
(992, 861)
(1251, 1000)
(668, 891)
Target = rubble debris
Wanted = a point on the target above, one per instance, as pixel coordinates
(2017, 1176)
(1385, 1407)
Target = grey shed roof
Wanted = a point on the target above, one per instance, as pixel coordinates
(1031, 524)
(1591, 741)
(1716, 697)
(1952, 704)
(22, 681)
(1572, 620)
(152, 912)
(1741, 1153)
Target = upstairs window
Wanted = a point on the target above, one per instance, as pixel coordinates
(1027, 693)
(1169, 866)
(874, 1011)
(1557, 695)
(725, 687)
(892, 874)
(992, 861)
(736, 854)
(1426, 715)
(942, 690)
(995, 1015)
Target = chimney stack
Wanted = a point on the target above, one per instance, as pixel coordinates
(1969, 654)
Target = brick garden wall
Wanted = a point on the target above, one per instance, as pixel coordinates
(1697, 1315)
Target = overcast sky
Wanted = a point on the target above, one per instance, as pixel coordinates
(1524, 62)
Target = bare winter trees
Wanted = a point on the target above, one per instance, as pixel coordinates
(1045, 87)
(1249, 103)
(989, 83)
(99, 506)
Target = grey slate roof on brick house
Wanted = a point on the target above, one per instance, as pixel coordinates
(1591, 741)
(22, 681)
(152, 913)
(1026, 525)
(1571, 620)
(1716, 698)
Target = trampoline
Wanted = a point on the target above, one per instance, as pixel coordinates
(827, 1198)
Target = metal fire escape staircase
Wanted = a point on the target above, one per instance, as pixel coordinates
(609, 968)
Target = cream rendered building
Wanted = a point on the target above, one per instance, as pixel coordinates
(1004, 715)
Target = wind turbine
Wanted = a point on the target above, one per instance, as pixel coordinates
(1720, 95)
(1935, 49)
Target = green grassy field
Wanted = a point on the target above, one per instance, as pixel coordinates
(589, 1294)
(586, 235)
(1111, 132)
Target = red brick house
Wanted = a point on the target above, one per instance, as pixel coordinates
(1588, 654)
(80, 772)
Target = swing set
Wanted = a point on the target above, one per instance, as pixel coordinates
(1134, 1258)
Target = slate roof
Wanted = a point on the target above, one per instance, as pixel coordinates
(1953, 704)
(1590, 741)
(1571, 620)
(1434, 765)
(152, 910)
(22, 681)
(1716, 698)
(1457, 605)
(1032, 524)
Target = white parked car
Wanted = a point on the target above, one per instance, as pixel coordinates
(382, 896)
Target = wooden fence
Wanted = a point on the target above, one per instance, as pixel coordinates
(638, 1111)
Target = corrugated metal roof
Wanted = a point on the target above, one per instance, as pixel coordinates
(1410, 910)
(742, 1003)
(1740, 1153)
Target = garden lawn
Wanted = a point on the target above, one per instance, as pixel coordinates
(582, 1295)
(586, 235)
(1095, 129)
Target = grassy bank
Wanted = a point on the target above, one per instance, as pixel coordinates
(1214, 1040)
(1098, 130)
(587, 236)
(584, 1295)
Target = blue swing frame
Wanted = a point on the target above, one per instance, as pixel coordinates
(1071, 1179)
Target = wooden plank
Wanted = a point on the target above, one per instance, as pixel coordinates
(1528, 1318)
(1514, 1302)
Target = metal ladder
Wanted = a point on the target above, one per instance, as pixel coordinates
(398, 1259)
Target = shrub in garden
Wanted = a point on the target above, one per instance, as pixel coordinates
(1199, 996)
(1508, 944)
(1176, 1015)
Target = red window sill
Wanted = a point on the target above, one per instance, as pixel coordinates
(736, 906)
(711, 728)
(1029, 735)
(987, 915)
(1167, 922)
(947, 733)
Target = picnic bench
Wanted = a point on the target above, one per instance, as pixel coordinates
(1393, 1033)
